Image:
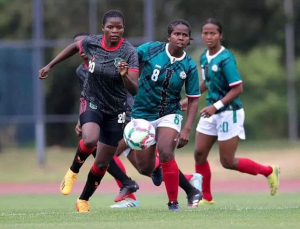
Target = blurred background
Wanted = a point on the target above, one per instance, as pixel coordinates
(37, 118)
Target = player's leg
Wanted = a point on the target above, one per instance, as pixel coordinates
(231, 129)
(110, 135)
(166, 144)
(104, 155)
(86, 146)
(206, 136)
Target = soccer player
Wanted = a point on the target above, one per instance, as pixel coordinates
(223, 117)
(167, 67)
(116, 167)
(104, 93)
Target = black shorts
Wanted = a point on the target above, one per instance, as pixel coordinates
(111, 126)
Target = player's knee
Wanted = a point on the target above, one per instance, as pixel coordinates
(146, 171)
(200, 156)
(101, 164)
(227, 163)
(166, 156)
(90, 141)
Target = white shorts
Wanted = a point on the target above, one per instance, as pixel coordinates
(225, 125)
(173, 121)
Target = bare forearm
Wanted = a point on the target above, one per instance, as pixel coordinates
(66, 53)
(130, 85)
(192, 110)
(232, 94)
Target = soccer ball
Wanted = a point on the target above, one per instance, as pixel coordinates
(139, 134)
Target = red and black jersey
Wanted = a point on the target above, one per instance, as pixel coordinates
(104, 85)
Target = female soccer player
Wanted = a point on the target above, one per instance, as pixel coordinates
(223, 117)
(116, 167)
(105, 91)
(166, 68)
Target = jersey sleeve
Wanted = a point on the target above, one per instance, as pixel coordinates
(231, 73)
(83, 44)
(133, 62)
(192, 83)
(143, 52)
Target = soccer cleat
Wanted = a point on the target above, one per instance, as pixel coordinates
(128, 187)
(82, 205)
(67, 183)
(273, 179)
(157, 176)
(127, 203)
(174, 206)
(205, 202)
(196, 181)
(193, 198)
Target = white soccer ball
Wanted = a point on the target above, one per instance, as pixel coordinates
(139, 134)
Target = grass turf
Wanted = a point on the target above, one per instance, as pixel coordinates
(231, 211)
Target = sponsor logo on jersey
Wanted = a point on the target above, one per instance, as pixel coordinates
(158, 66)
(117, 60)
(182, 75)
(93, 106)
(214, 68)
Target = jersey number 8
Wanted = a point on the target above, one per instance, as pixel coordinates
(155, 75)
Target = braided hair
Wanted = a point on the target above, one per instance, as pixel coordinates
(179, 22)
(111, 14)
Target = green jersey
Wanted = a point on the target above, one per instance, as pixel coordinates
(161, 81)
(219, 73)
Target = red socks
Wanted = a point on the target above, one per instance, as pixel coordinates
(204, 170)
(246, 165)
(171, 178)
(122, 167)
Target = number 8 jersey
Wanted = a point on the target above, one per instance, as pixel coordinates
(161, 81)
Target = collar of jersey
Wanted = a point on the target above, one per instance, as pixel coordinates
(209, 58)
(111, 48)
(172, 58)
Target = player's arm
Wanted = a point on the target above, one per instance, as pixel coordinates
(66, 53)
(129, 76)
(193, 94)
(235, 82)
(184, 102)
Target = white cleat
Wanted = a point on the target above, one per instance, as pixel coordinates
(196, 181)
(127, 203)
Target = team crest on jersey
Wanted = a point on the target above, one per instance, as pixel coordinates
(182, 75)
(214, 68)
(117, 60)
(93, 106)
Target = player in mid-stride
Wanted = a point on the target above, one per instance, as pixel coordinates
(223, 117)
(102, 111)
(167, 67)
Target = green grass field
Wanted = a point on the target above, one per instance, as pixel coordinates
(231, 211)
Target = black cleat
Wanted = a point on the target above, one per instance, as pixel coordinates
(157, 176)
(194, 197)
(128, 187)
(174, 206)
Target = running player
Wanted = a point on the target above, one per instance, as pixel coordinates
(166, 68)
(104, 92)
(116, 167)
(223, 117)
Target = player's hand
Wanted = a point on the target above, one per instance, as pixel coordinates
(206, 112)
(78, 129)
(184, 104)
(183, 138)
(123, 68)
(43, 73)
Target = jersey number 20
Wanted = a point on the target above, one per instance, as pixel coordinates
(91, 66)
